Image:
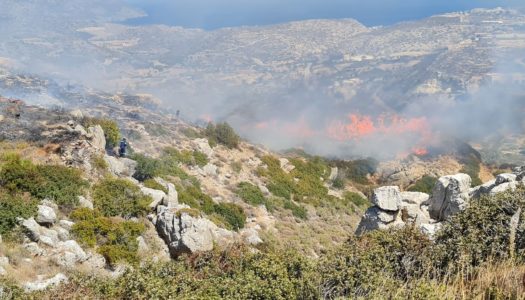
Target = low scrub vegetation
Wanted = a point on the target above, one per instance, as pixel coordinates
(58, 183)
(223, 134)
(424, 185)
(228, 215)
(356, 171)
(13, 207)
(403, 263)
(167, 164)
(120, 197)
(110, 127)
(113, 238)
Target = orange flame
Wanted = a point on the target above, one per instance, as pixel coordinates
(362, 126)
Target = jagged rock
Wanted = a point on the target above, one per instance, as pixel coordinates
(203, 146)
(334, 172)
(84, 203)
(503, 178)
(387, 198)
(63, 234)
(66, 224)
(430, 229)
(520, 173)
(503, 187)
(95, 261)
(449, 196)
(37, 233)
(186, 234)
(42, 284)
(484, 188)
(209, 170)
(80, 130)
(173, 196)
(98, 140)
(375, 218)
(49, 203)
(68, 253)
(251, 236)
(46, 215)
(121, 167)
(3, 272)
(157, 196)
(286, 165)
(414, 197)
(34, 249)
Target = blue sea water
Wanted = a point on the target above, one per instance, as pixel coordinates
(213, 14)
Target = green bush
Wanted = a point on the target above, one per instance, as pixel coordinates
(471, 166)
(147, 167)
(236, 166)
(200, 158)
(377, 260)
(13, 207)
(58, 183)
(99, 163)
(356, 199)
(464, 240)
(166, 165)
(232, 213)
(356, 170)
(222, 133)
(297, 210)
(234, 273)
(338, 183)
(110, 127)
(250, 194)
(119, 197)
(424, 185)
(305, 182)
(229, 215)
(115, 239)
(152, 184)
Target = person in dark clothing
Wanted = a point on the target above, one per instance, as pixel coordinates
(122, 147)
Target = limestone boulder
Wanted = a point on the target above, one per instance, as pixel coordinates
(203, 146)
(41, 234)
(98, 140)
(121, 167)
(449, 196)
(172, 199)
(506, 177)
(84, 202)
(387, 198)
(44, 284)
(67, 254)
(375, 218)
(184, 233)
(46, 215)
(209, 170)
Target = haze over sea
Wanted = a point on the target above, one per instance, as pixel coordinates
(213, 14)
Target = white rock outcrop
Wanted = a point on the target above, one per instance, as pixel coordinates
(449, 196)
(184, 233)
(43, 284)
(46, 215)
(387, 198)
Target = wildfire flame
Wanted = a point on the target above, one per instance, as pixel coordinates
(357, 127)
(362, 126)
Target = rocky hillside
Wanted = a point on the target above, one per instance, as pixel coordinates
(71, 208)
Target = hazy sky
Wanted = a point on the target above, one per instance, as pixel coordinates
(211, 14)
